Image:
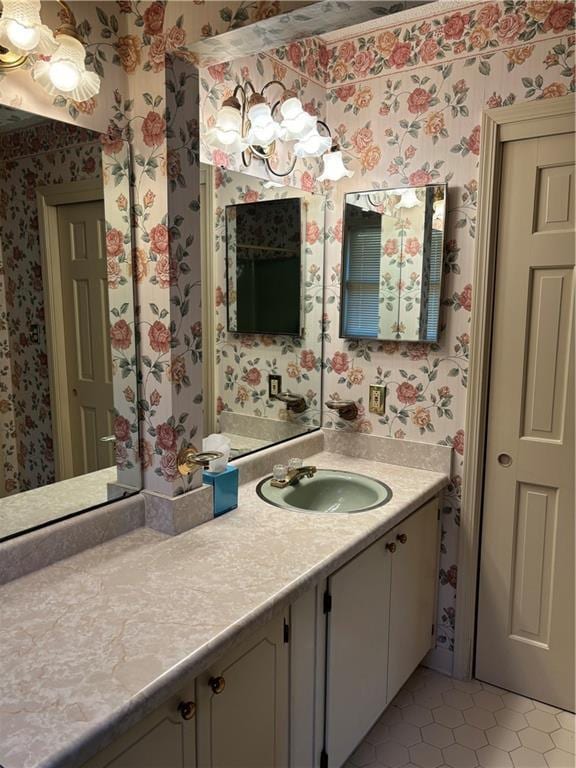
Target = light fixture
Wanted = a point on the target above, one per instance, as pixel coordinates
(296, 122)
(246, 124)
(227, 132)
(312, 145)
(334, 168)
(408, 199)
(59, 58)
(22, 31)
(264, 130)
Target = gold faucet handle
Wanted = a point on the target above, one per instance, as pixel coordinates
(190, 459)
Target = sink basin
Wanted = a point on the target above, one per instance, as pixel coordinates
(330, 490)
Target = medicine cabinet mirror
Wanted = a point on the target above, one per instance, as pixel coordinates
(392, 261)
(262, 292)
(68, 423)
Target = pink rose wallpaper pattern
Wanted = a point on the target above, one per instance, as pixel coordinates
(405, 102)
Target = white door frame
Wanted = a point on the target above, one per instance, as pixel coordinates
(535, 118)
(49, 199)
(208, 298)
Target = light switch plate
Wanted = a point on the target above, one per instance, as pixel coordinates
(377, 399)
(274, 385)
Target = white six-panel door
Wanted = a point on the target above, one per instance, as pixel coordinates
(525, 635)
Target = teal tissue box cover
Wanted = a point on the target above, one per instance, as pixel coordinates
(225, 485)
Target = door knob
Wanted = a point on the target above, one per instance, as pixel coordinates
(391, 547)
(504, 459)
(402, 538)
(187, 709)
(217, 684)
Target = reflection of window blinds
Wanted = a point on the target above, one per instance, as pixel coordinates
(435, 279)
(362, 282)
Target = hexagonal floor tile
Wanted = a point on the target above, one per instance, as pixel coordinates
(417, 715)
(426, 756)
(458, 699)
(564, 739)
(437, 735)
(547, 708)
(567, 720)
(543, 721)
(447, 716)
(557, 758)
(391, 754)
(403, 699)
(480, 718)
(391, 715)
(527, 758)
(502, 738)
(492, 757)
(405, 733)
(428, 698)
(458, 756)
(470, 736)
(468, 686)
(488, 700)
(378, 734)
(508, 718)
(517, 703)
(536, 740)
(363, 755)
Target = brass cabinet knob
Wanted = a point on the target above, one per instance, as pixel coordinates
(187, 709)
(391, 547)
(402, 538)
(217, 684)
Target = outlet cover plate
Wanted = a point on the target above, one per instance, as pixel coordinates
(377, 399)
(274, 385)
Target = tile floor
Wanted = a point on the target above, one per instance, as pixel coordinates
(437, 722)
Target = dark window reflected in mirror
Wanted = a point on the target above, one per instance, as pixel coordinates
(392, 264)
(263, 255)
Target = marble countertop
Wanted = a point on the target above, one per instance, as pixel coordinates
(91, 644)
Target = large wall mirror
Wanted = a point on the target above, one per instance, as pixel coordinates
(262, 292)
(68, 422)
(392, 261)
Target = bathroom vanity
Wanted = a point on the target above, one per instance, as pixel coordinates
(267, 637)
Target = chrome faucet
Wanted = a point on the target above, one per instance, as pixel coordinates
(293, 476)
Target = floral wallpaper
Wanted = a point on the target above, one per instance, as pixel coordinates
(405, 102)
(49, 153)
(243, 362)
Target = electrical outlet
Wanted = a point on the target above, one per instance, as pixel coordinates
(274, 385)
(377, 399)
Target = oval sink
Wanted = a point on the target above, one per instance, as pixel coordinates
(330, 490)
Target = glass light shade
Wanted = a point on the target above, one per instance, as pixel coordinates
(227, 133)
(66, 72)
(21, 29)
(296, 123)
(312, 145)
(263, 128)
(334, 168)
(408, 199)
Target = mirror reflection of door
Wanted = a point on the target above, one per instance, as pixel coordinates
(83, 273)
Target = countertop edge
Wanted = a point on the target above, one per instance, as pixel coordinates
(82, 749)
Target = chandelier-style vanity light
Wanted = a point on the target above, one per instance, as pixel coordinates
(58, 58)
(246, 125)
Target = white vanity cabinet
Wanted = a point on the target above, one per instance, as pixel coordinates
(303, 690)
(164, 739)
(243, 703)
(380, 613)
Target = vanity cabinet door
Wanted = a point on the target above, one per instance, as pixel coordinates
(243, 704)
(164, 739)
(412, 594)
(357, 650)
